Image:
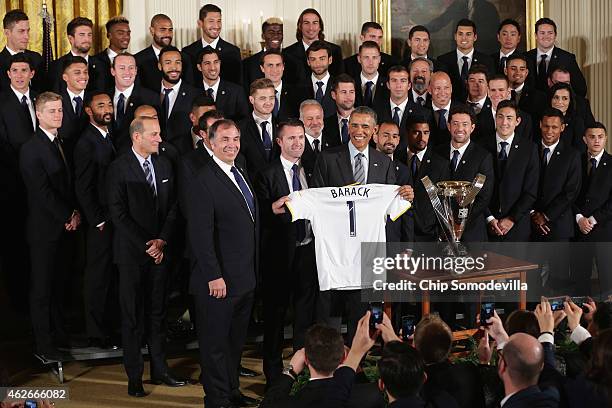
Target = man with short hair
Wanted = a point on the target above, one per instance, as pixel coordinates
(529, 99)
(371, 88)
(272, 36)
(343, 93)
(149, 74)
(75, 76)
(141, 193)
(311, 115)
(93, 154)
(420, 70)
(16, 27)
(118, 33)
(457, 63)
(318, 85)
(310, 28)
(509, 38)
(288, 97)
(546, 57)
(52, 215)
(200, 105)
(417, 46)
(209, 22)
(370, 31)
(229, 97)
(478, 88)
(441, 90)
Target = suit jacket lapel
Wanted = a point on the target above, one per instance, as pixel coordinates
(374, 167)
(254, 133)
(281, 180)
(232, 187)
(343, 160)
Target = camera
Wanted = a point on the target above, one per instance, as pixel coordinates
(377, 309)
(487, 311)
(408, 323)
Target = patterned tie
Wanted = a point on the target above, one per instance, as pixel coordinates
(359, 172)
(297, 186)
(344, 131)
(26, 109)
(503, 155)
(246, 193)
(78, 105)
(319, 94)
(276, 104)
(442, 119)
(120, 114)
(315, 146)
(265, 137)
(149, 177)
(454, 161)
(396, 117)
(464, 69)
(367, 96)
(542, 69)
(211, 93)
(166, 102)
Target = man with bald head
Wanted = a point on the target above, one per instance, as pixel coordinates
(441, 90)
(165, 149)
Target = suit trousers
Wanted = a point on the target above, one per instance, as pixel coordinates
(586, 254)
(97, 279)
(331, 305)
(142, 295)
(222, 326)
(49, 262)
(302, 284)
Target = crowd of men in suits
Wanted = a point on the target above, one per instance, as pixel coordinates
(175, 159)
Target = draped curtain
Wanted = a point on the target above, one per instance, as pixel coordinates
(62, 11)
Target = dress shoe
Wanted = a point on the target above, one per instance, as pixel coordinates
(246, 401)
(135, 389)
(169, 380)
(245, 372)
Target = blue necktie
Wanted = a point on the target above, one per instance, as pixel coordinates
(149, 177)
(344, 131)
(120, 114)
(396, 117)
(442, 119)
(265, 137)
(503, 155)
(248, 197)
(78, 108)
(545, 153)
(319, 94)
(593, 166)
(26, 109)
(415, 167)
(464, 69)
(276, 104)
(367, 97)
(297, 186)
(166, 102)
(454, 161)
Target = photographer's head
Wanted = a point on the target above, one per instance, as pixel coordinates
(324, 348)
(402, 371)
(433, 338)
(520, 362)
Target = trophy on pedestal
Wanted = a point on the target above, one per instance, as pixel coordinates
(452, 202)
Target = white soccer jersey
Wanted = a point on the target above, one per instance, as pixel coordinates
(342, 218)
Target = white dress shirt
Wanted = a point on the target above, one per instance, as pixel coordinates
(288, 168)
(50, 135)
(172, 95)
(259, 121)
(551, 148)
(141, 160)
(111, 54)
(363, 84)
(72, 96)
(364, 160)
(539, 54)
(461, 152)
(401, 106)
(126, 95)
(312, 139)
(447, 107)
(213, 44)
(460, 56)
(215, 87)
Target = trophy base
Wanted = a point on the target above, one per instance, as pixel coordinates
(454, 249)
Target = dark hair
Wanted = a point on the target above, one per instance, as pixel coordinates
(369, 44)
(342, 78)
(499, 77)
(397, 68)
(71, 60)
(520, 370)
(13, 17)
(479, 69)
(324, 348)
(122, 54)
(508, 103)
(602, 317)
(20, 57)
(169, 48)
(421, 59)
(545, 20)
(89, 97)
(461, 109)
(208, 8)
(218, 125)
(522, 321)
(559, 68)
(465, 22)
(78, 22)
(414, 120)
(291, 122)
(401, 369)
(114, 21)
(599, 125)
(365, 110)
(517, 56)
(598, 370)
(202, 100)
(318, 46)
(159, 17)
(417, 28)
(370, 24)
(262, 59)
(509, 21)
(433, 338)
(553, 113)
(207, 51)
(298, 31)
(211, 114)
(562, 85)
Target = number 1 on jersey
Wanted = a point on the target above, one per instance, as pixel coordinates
(352, 224)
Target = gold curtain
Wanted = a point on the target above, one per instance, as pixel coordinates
(62, 11)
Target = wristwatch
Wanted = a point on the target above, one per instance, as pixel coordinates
(289, 371)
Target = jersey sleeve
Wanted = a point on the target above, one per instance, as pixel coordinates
(301, 205)
(397, 207)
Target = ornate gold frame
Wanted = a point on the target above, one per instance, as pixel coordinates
(382, 15)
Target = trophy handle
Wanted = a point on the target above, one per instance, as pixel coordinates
(477, 184)
(432, 192)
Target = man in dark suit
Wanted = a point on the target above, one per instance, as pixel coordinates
(420, 70)
(311, 115)
(80, 36)
(371, 89)
(509, 38)
(118, 33)
(309, 29)
(141, 196)
(457, 63)
(417, 46)
(529, 99)
(52, 215)
(317, 85)
(229, 97)
(149, 74)
(441, 90)
(515, 160)
(546, 56)
(209, 23)
(75, 76)
(176, 95)
(93, 154)
(223, 283)
(560, 180)
(292, 272)
(592, 211)
(288, 97)
(17, 124)
(257, 132)
(467, 159)
(478, 87)
(343, 92)
(370, 31)
(127, 96)
(200, 105)
(272, 35)
(17, 31)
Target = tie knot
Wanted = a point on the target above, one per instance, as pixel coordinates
(593, 162)
(359, 155)
(320, 84)
(235, 171)
(145, 163)
(316, 143)
(465, 59)
(122, 96)
(167, 91)
(294, 168)
(275, 92)
(396, 109)
(455, 154)
(264, 123)
(24, 99)
(369, 84)
(442, 111)
(344, 121)
(503, 144)
(543, 57)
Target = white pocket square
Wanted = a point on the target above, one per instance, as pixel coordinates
(164, 180)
